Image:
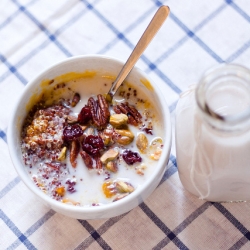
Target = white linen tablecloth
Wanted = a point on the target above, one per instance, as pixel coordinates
(197, 35)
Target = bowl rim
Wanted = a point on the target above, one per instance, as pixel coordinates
(162, 163)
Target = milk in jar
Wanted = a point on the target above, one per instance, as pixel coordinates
(213, 135)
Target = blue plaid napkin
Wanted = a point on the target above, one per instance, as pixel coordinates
(197, 35)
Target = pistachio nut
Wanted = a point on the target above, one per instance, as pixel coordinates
(118, 120)
(109, 155)
(142, 142)
(125, 137)
(107, 140)
(124, 187)
(112, 166)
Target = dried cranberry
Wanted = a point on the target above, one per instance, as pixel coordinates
(131, 157)
(148, 130)
(72, 132)
(85, 115)
(93, 144)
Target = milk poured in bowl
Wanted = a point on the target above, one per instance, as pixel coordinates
(84, 187)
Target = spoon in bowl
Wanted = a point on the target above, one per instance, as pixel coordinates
(153, 27)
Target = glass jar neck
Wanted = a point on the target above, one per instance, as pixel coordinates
(223, 97)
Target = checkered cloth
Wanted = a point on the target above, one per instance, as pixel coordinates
(197, 35)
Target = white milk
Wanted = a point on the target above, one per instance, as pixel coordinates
(214, 164)
(88, 182)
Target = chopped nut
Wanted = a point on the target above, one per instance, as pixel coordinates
(139, 171)
(60, 191)
(70, 201)
(90, 131)
(62, 155)
(118, 120)
(87, 159)
(42, 187)
(74, 151)
(112, 166)
(71, 119)
(83, 127)
(155, 149)
(124, 137)
(109, 155)
(142, 143)
(120, 196)
(75, 100)
(143, 166)
(124, 187)
(106, 140)
(156, 155)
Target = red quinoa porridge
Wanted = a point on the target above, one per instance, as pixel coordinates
(81, 150)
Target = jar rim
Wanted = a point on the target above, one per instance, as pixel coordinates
(222, 70)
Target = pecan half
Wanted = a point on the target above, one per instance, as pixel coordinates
(134, 117)
(74, 151)
(99, 111)
(98, 163)
(87, 159)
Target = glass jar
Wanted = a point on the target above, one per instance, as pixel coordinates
(213, 135)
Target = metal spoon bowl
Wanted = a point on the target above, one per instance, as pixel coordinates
(153, 27)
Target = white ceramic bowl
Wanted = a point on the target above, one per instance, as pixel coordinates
(81, 64)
